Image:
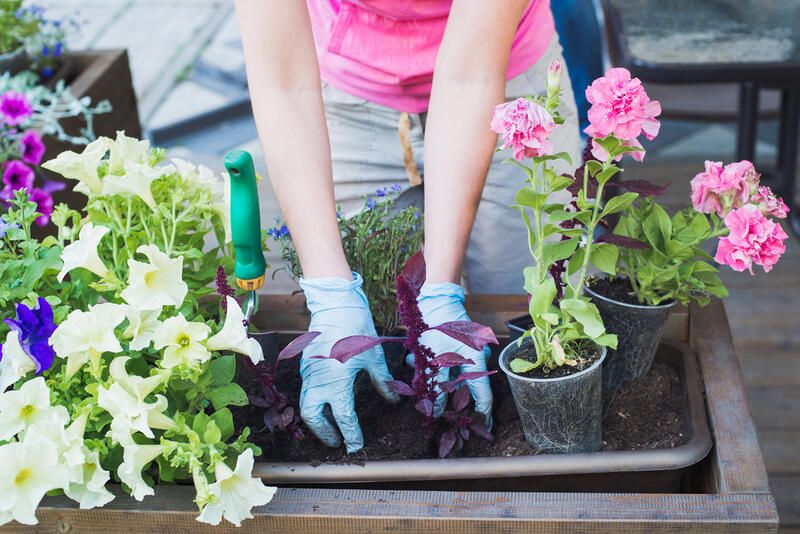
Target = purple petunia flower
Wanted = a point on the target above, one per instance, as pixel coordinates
(16, 175)
(44, 205)
(14, 108)
(32, 147)
(35, 326)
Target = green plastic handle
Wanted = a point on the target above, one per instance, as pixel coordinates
(245, 220)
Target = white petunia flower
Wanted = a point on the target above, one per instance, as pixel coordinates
(233, 335)
(81, 167)
(14, 363)
(125, 401)
(125, 151)
(26, 407)
(183, 342)
(142, 327)
(135, 458)
(235, 493)
(157, 283)
(28, 470)
(88, 483)
(136, 181)
(83, 252)
(201, 175)
(85, 336)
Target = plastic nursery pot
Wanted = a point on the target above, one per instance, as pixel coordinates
(14, 61)
(638, 328)
(558, 415)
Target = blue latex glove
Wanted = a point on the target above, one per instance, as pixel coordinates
(442, 303)
(338, 309)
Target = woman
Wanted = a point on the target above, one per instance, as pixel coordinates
(362, 94)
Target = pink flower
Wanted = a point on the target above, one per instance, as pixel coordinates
(769, 203)
(32, 147)
(600, 154)
(524, 127)
(752, 239)
(720, 189)
(16, 175)
(14, 108)
(44, 203)
(621, 107)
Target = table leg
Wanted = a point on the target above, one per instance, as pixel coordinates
(747, 126)
(787, 153)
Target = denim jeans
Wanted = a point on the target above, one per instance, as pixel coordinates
(367, 155)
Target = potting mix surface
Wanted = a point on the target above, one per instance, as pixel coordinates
(644, 414)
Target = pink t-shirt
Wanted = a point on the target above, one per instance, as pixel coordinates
(384, 50)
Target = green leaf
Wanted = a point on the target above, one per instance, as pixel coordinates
(222, 370)
(604, 176)
(227, 395)
(520, 366)
(200, 423)
(618, 203)
(576, 262)
(542, 297)
(529, 273)
(212, 435)
(604, 257)
(530, 198)
(607, 340)
(586, 314)
(224, 420)
(558, 250)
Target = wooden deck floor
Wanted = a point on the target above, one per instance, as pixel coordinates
(764, 314)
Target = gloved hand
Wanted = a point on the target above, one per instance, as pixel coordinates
(338, 309)
(442, 303)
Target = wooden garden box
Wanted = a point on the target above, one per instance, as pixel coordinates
(100, 75)
(728, 493)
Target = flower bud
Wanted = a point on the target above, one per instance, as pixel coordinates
(554, 76)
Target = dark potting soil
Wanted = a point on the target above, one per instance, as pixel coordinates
(584, 360)
(617, 288)
(647, 413)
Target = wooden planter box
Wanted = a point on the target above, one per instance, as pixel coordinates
(100, 75)
(728, 491)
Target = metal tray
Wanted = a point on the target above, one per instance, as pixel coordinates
(646, 470)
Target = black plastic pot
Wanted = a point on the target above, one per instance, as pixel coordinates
(638, 328)
(561, 415)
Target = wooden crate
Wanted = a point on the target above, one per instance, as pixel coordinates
(730, 494)
(100, 75)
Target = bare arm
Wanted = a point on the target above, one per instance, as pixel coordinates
(283, 77)
(468, 81)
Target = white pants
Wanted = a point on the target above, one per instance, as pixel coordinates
(367, 155)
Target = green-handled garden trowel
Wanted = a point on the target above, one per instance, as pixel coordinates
(246, 226)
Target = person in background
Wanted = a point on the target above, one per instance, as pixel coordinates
(350, 96)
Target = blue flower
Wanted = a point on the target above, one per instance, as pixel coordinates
(279, 233)
(47, 72)
(5, 227)
(35, 326)
(45, 50)
(397, 188)
(371, 203)
(381, 192)
(58, 49)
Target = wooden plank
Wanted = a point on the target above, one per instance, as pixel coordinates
(739, 466)
(781, 451)
(775, 407)
(354, 511)
(766, 363)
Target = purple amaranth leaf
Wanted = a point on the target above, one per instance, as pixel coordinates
(447, 442)
(451, 359)
(400, 387)
(622, 241)
(425, 407)
(450, 386)
(473, 335)
(352, 346)
(479, 429)
(643, 187)
(414, 272)
(461, 399)
(297, 346)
